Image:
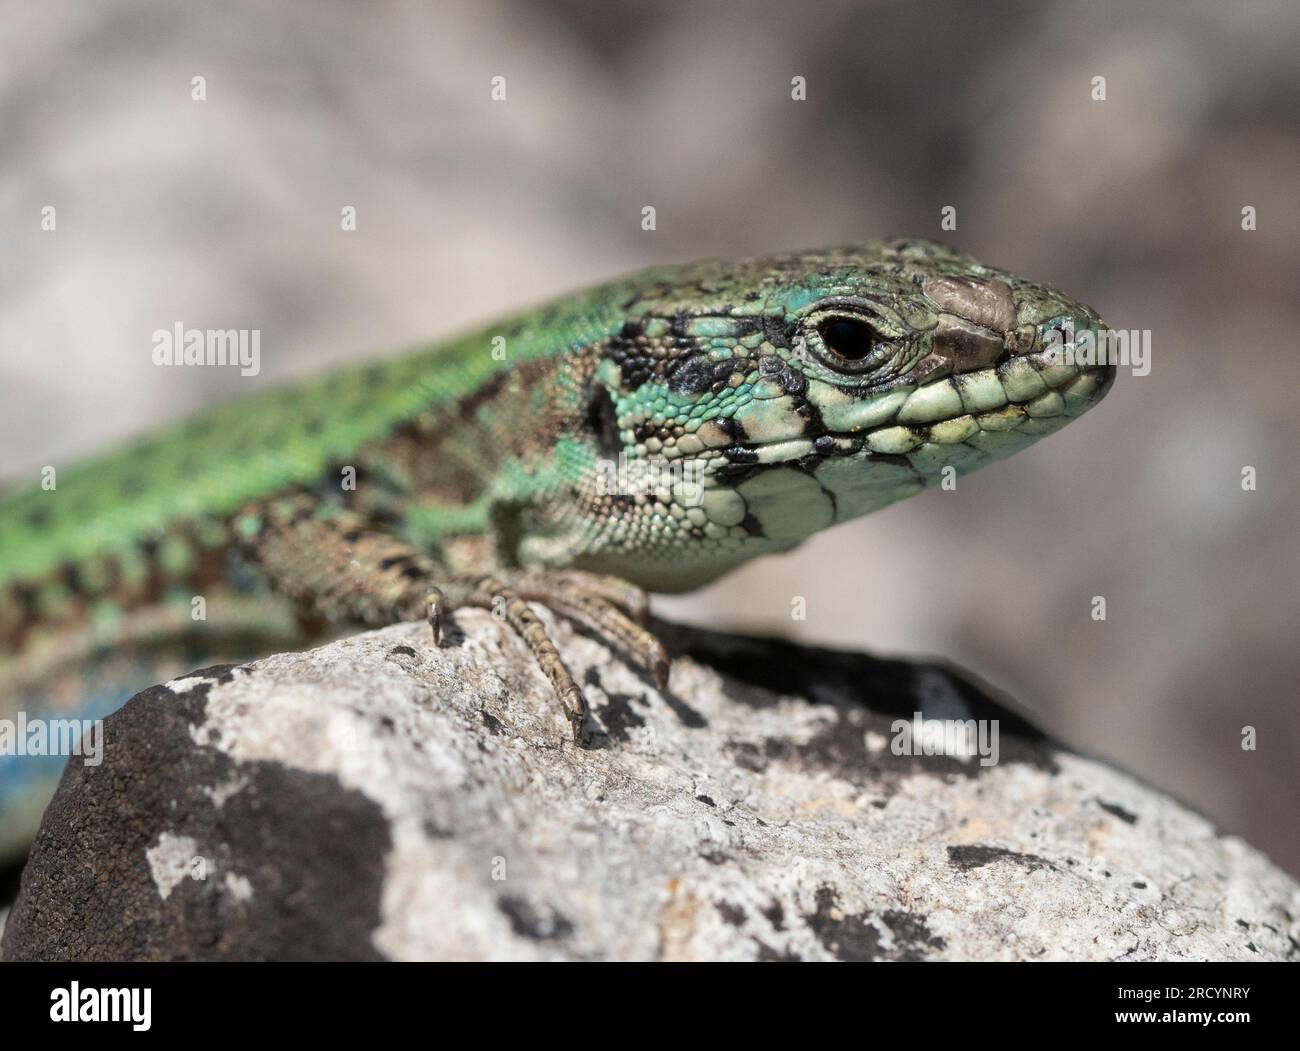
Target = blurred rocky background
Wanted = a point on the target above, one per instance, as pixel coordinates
(225, 213)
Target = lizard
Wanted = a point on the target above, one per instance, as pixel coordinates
(646, 435)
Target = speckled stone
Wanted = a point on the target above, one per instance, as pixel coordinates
(379, 798)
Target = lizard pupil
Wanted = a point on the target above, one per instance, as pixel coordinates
(852, 340)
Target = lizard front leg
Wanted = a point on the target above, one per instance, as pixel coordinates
(332, 562)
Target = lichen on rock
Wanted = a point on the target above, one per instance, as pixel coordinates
(383, 798)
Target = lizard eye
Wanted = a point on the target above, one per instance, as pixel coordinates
(849, 339)
(849, 344)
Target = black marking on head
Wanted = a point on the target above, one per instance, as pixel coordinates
(808, 463)
(630, 351)
(752, 526)
(724, 370)
(38, 517)
(791, 380)
(738, 454)
(734, 474)
(484, 392)
(602, 422)
(776, 331)
(810, 412)
(731, 427)
(693, 374)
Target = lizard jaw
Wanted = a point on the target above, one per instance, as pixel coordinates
(1031, 395)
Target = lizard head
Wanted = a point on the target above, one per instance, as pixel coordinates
(768, 399)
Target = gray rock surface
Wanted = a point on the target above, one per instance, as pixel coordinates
(379, 798)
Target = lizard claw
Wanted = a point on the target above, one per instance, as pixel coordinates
(575, 707)
(659, 669)
(436, 604)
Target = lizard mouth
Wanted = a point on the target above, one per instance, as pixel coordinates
(993, 411)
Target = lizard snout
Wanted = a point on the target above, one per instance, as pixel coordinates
(976, 318)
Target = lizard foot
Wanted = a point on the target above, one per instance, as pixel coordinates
(491, 593)
(611, 607)
(631, 599)
(614, 608)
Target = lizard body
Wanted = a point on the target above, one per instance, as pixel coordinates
(646, 435)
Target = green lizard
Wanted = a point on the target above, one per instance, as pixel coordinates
(648, 435)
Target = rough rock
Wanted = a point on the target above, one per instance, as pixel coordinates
(380, 798)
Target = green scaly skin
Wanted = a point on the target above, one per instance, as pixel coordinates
(772, 397)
